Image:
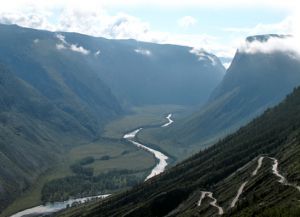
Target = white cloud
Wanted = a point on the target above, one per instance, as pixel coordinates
(79, 49)
(289, 45)
(90, 17)
(186, 21)
(35, 41)
(124, 26)
(288, 26)
(61, 38)
(97, 53)
(203, 56)
(144, 52)
(285, 26)
(97, 22)
(60, 47)
(63, 45)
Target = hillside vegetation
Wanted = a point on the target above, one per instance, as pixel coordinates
(221, 169)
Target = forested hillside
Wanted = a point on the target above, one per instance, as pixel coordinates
(49, 101)
(221, 169)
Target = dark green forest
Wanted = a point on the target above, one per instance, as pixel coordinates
(85, 183)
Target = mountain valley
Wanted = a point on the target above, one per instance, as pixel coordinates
(94, 126)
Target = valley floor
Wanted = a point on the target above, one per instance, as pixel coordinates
(110, 153)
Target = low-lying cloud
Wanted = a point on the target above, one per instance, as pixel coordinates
(79, 49)
(35, 41)
(60, 47)
(288, 44)
(97, 53)
(64, 45)
(144, 52)
(203, 56)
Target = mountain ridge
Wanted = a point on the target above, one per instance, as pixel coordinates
(252, 83)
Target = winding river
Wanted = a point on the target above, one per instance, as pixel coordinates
(58, 206)
(55, 207)
(170, 121)
(162, 159)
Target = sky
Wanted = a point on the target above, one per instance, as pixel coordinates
(217, 26)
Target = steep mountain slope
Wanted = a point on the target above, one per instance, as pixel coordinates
(253, 82)
(145, 73)
(222, 170)
(33, 132)
(138, 73)
(49, 101)
(65, 78)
